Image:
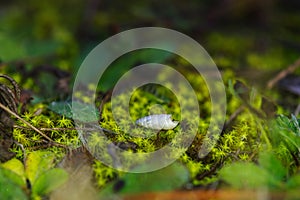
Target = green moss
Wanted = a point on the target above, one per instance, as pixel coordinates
(49, 39)
(39, 116)
(241, 142)
(104, 174)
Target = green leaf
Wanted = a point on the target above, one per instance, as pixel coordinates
(9, 189)
(270, 163)
(169, 178)
(62, 108)
(287, 130)
(16, 166)
(49, 181)
(246, 175)
(88, 113)
(37, 163)
(295, 125)
(293, 182)
(13, 177)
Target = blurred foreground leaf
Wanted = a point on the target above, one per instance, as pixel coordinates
(49, 181)
(9, 186)
(38, 170)
(169, 178)
(245, 175)
(270, 173)
(37, 163)
(17, 168)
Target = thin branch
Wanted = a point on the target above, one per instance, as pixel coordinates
(233, 116)
(284, 73)
(211, 171)
(68, 129)
(45, 146)
(25, 122)
(15, 85)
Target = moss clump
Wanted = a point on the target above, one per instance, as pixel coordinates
(241, 142)
(53, 125)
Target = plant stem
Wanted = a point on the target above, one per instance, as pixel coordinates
(24, 121)
(69, 129)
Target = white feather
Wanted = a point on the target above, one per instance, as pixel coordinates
(157, 122)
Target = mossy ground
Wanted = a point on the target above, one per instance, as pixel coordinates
(242, 141)
(42, 44)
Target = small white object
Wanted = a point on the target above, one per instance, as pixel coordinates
(157, 122)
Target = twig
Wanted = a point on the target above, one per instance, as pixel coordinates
(24, 121)
(15, 85)
(68, 129)
(45, 146)
(284, 73)
(233, 116)
(211, 171)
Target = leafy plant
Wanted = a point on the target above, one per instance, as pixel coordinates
(37, 176)
(11, 185)
(287, 130)
(278, 168)
(269, 173)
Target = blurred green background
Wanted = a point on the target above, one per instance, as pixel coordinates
(253, 38)
(64, 31)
